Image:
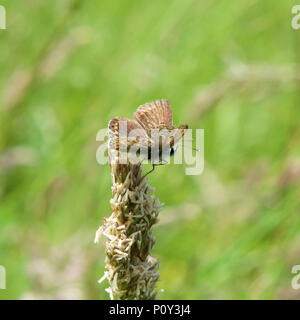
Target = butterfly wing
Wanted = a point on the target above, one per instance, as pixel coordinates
(158, 115)
(154, 114)
(124, 133)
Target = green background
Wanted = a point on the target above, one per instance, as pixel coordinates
(230, 67)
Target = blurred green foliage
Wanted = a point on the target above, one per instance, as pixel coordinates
(68, 67)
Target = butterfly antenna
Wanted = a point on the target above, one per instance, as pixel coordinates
(198, 150)
(191, 140)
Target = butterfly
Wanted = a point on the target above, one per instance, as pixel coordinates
(153, 129)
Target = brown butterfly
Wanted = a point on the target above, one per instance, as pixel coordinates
(152, 130)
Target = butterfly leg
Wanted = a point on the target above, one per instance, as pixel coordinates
(153, 168)
(156, 164)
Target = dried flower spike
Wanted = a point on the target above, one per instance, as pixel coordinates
(131, 271)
